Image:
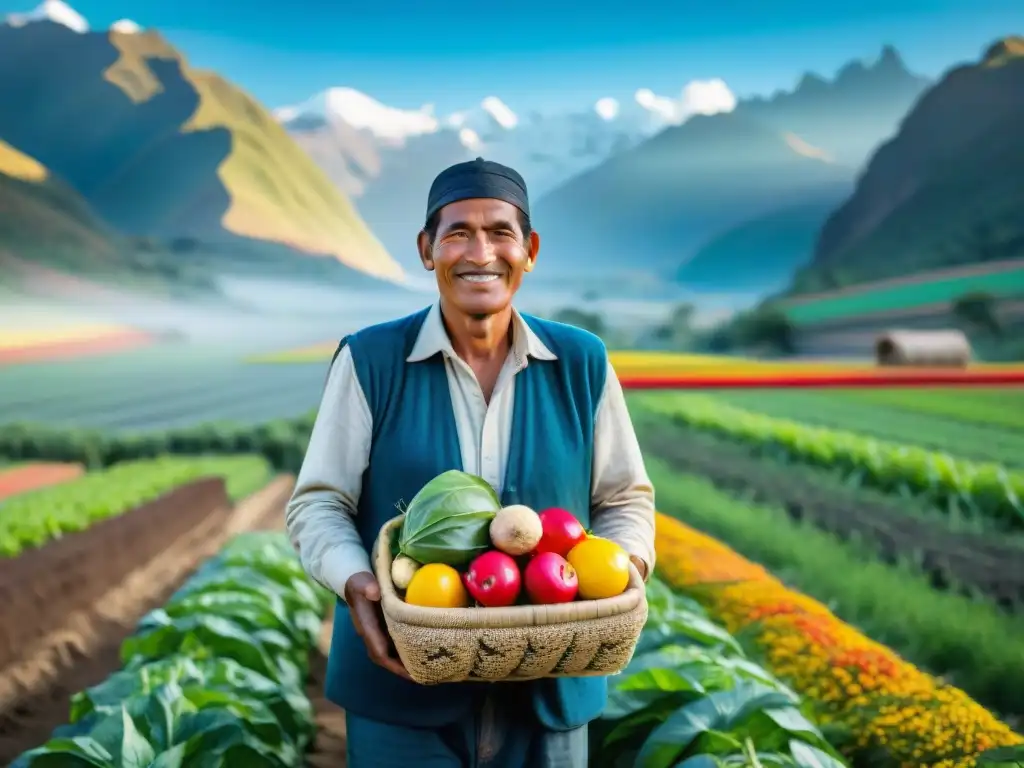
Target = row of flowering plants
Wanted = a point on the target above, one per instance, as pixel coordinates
(876, 708)
(690, 698)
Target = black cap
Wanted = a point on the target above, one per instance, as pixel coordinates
(477, 178)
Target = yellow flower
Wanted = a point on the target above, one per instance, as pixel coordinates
(886, 702)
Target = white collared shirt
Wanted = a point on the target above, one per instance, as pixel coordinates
(320, 515)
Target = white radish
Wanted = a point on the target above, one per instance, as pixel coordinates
(516, 530)
(402, 570)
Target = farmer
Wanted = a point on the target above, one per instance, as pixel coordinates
(468, 383)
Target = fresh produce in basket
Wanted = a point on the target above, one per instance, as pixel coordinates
(602, 568)
(437, 585)
(458, 546)
(403, 568)
(516, 530)
(493, 579)
(561, 531)
(550, 579)
(449, 520)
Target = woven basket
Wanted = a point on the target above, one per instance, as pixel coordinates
(522, 642)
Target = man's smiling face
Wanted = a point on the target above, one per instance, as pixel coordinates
(479, 254)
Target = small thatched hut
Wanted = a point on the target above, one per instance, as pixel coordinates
(939, 348)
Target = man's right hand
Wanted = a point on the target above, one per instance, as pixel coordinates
(362, 594)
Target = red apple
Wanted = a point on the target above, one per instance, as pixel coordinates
(561, 533)
(550, 579)
(493, 579)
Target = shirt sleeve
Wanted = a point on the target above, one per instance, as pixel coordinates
(320, 515)
(622, 497)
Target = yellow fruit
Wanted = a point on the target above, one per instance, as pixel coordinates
(602, 567)
(436, 585)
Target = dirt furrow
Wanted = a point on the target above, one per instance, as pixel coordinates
(35, 691)
(952, 561)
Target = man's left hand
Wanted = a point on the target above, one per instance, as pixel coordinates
(640, 566)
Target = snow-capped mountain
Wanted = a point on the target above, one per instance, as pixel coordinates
(357, 138)
(51, 10)
(385, 157)
(61, 13)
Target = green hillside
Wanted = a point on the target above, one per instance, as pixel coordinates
(693, 192)
(46, 223)
(947, 190)
(759, 253)
(904, 295)
(162, 150)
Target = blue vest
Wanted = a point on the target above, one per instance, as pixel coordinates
(414, 440)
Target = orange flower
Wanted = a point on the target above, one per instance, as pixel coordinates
(884, 701)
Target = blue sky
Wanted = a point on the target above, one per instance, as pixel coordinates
(542, 53)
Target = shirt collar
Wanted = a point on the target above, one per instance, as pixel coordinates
(433, 338)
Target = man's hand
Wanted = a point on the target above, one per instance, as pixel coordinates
(362, 593)
(640, 566)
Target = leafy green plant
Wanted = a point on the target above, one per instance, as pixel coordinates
(212, 679)
(984, 488)
(282, 442)
(33, 518)
(691, 698)
(449, 520)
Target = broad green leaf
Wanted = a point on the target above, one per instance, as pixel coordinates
(793, 721)
(297, 593)
(713, 742)
(717, 711)
(78, 752)
(216, 738)
(705, 668)
(807, 756)
(206, 636)
(172, 758)
(623, 704)
(136, 752)
(449, 520)
(683, 627)
(454, 540)
(290, 705)
(256, 716)
(641, 722)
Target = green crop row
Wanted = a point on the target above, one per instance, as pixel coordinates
(215, 678)
(976, 442)
(31, 519)
(971, 644)
(282, 442)
(982, 488)
(690, 697)
(1001, 409)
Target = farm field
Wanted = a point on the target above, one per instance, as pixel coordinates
(157, 388)
(173, 386)
(24, 346)
(667, 370)
(937, 288)
(840, 578)
(27, 477)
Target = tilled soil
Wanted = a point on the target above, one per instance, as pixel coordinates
(955, 561)
(41, 587)
(35, 690)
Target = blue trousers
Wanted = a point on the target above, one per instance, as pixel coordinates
(502, 733)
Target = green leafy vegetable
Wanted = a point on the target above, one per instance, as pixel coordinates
(31, 519)
(449, 520)
(690, 698)
(214, 679)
